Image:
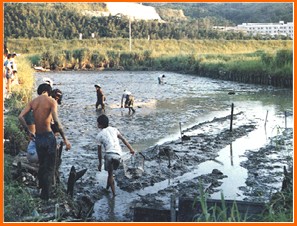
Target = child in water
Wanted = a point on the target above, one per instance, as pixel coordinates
(108, 140)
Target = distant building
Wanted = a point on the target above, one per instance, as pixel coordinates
(271, 29)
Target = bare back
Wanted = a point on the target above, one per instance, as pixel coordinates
(43, 106)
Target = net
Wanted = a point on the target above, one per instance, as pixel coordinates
(133, 165)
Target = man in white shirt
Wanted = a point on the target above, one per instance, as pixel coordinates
(129, 101)
(108, 140)
(161, 79)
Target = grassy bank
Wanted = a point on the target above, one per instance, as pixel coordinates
(21, 94)
(268, 62)
(158, 48)
(17, 201)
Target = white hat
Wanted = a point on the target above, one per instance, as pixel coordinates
(98, 85)
(127, 92)
(48, 81)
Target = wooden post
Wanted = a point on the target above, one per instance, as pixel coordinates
(172, 208)
(57, 211)
(285, 120)
(73, 177)
(266, 118)
(181, 133)
(231, 122)
(231, 154)
(71, 181)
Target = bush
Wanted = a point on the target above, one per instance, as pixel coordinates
(283, 57)
(34, 59)
(18, 140)
(14, 209)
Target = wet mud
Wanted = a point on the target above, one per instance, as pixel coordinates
(177, 159)
(168, 170)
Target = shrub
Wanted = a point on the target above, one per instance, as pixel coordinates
(283, 57)
(17, 138)
(14, 209)
(34, 59)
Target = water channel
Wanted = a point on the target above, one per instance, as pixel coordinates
(184, 100)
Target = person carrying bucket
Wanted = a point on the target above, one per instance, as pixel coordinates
(108, 140)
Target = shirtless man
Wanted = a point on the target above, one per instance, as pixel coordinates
(44, 111)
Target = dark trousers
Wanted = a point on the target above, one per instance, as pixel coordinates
(100, 102)
(46, 145)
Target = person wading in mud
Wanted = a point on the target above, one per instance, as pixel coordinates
(44, 111)
(129, 101)
(108, 140)
(161, 79)
(100, 97)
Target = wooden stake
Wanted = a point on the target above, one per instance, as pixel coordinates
(266, 119)
(285, 120)
(172, 208)
(231, 122)
(181, 133)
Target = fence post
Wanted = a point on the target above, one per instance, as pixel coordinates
(181, 133)
(266, 119)
(172, 208)
(231, 122)
(285, 119)
(231, 154)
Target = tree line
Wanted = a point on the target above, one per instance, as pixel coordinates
(226, 13)
(55, 21)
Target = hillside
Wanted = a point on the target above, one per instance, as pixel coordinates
(233, 13)
(153, 20)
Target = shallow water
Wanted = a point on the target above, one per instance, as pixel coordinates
(160, 110)
(184, 99)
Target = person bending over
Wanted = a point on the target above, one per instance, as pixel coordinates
(129, 101)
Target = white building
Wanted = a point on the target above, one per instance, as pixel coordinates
(271, 29)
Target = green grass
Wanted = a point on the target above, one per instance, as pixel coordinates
(279, 209)
(251, 61)
(17, 200)
(168, 47)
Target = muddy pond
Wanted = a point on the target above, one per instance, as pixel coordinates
(196, 107)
